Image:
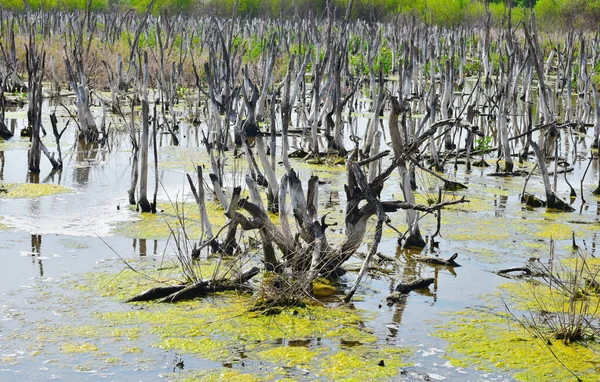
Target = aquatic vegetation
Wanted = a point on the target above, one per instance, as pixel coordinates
(159, 225)
(31, 190)
(222, 327)
(360, 364)
(85, 347)
(490, 340)
(219, 375)
(187, 158)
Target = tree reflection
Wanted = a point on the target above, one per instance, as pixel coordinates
(2, 160)
(86, 154)
(36, 251)
(140, 247)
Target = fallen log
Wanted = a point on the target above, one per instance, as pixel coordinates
(156, 293)
(416, 284)
(437, 261)
(174, 293)
(507, 272)
(403, 289)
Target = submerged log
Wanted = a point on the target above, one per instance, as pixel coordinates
(403, 289)
(416, 284)
(509, 272)
(437, 261)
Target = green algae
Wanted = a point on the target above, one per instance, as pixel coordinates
(186, 158)
(222, 327)
(73, 244)
(31, 190)
(129, 282)
(291, 356)
(219, 375)
(85, 347)
(494, 341)
(362, 364)
(178, 217)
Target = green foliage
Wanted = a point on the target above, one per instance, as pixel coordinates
(560, 14)
(483, 143)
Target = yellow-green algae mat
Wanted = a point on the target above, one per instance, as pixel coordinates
(491, 339)
(315, 341)
(30, 190)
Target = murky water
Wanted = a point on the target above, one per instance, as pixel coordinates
(50, 242)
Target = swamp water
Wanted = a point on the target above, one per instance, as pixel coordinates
(63, 280)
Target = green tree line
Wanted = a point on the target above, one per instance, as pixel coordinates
(551, 14)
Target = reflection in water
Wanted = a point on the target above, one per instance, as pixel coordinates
(143, 251)
(36, 250)
(500, 205)
(2, 159)
(86, 154)
(50, 178)
(34, 203)
(33, 177)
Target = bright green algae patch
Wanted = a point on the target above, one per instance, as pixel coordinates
(325, 341)
(31, 190)
(489, 339)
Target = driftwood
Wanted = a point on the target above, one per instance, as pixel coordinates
(403, 289)
(174, 293)
(509, 272)
(416, 284)
(437, 261)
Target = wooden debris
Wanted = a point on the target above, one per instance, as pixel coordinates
(438, 261)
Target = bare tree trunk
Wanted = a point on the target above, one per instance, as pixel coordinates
(144, 142)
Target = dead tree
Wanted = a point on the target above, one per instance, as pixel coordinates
(553, 201)
(75, 59)
(35, 71)
(5, 133)
(144, 142)
(399, 137)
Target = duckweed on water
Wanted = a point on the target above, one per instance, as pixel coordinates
(31, 190)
